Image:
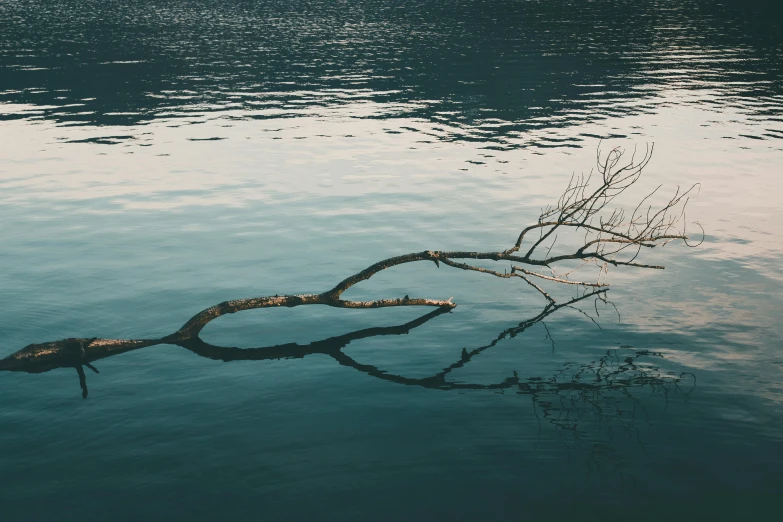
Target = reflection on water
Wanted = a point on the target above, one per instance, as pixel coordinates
(507, 72)
(79, 352)
(156, 157)
(611, 391)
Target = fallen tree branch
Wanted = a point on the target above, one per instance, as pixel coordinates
(80, 352)
(582, 208)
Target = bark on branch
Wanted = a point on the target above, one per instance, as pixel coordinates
(608, 236)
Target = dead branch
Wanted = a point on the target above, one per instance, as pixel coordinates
(80, 352)
(584, 207)
(609, 236)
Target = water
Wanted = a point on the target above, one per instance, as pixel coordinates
(160, 157)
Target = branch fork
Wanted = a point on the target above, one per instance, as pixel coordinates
(610, 236)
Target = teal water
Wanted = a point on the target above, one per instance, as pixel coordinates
(157, 158)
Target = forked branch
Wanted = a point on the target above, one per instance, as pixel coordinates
(584, 207)
(608, 236)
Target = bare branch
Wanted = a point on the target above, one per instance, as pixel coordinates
(557, 279)
(608, 236)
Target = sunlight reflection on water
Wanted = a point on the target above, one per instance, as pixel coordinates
(155, 160)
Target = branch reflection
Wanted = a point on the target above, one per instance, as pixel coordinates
(602, 388)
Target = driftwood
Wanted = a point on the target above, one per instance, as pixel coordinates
(608, 237)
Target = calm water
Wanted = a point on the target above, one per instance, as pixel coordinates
(159, 157)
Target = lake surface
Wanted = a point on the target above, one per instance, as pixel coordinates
(157, 158)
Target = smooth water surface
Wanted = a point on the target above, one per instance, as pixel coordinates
(157, 158)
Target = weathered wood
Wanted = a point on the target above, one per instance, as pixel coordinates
(581, 208)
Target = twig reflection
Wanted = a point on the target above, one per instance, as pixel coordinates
(561, 398)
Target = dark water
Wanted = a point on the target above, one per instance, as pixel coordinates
(160, 157)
